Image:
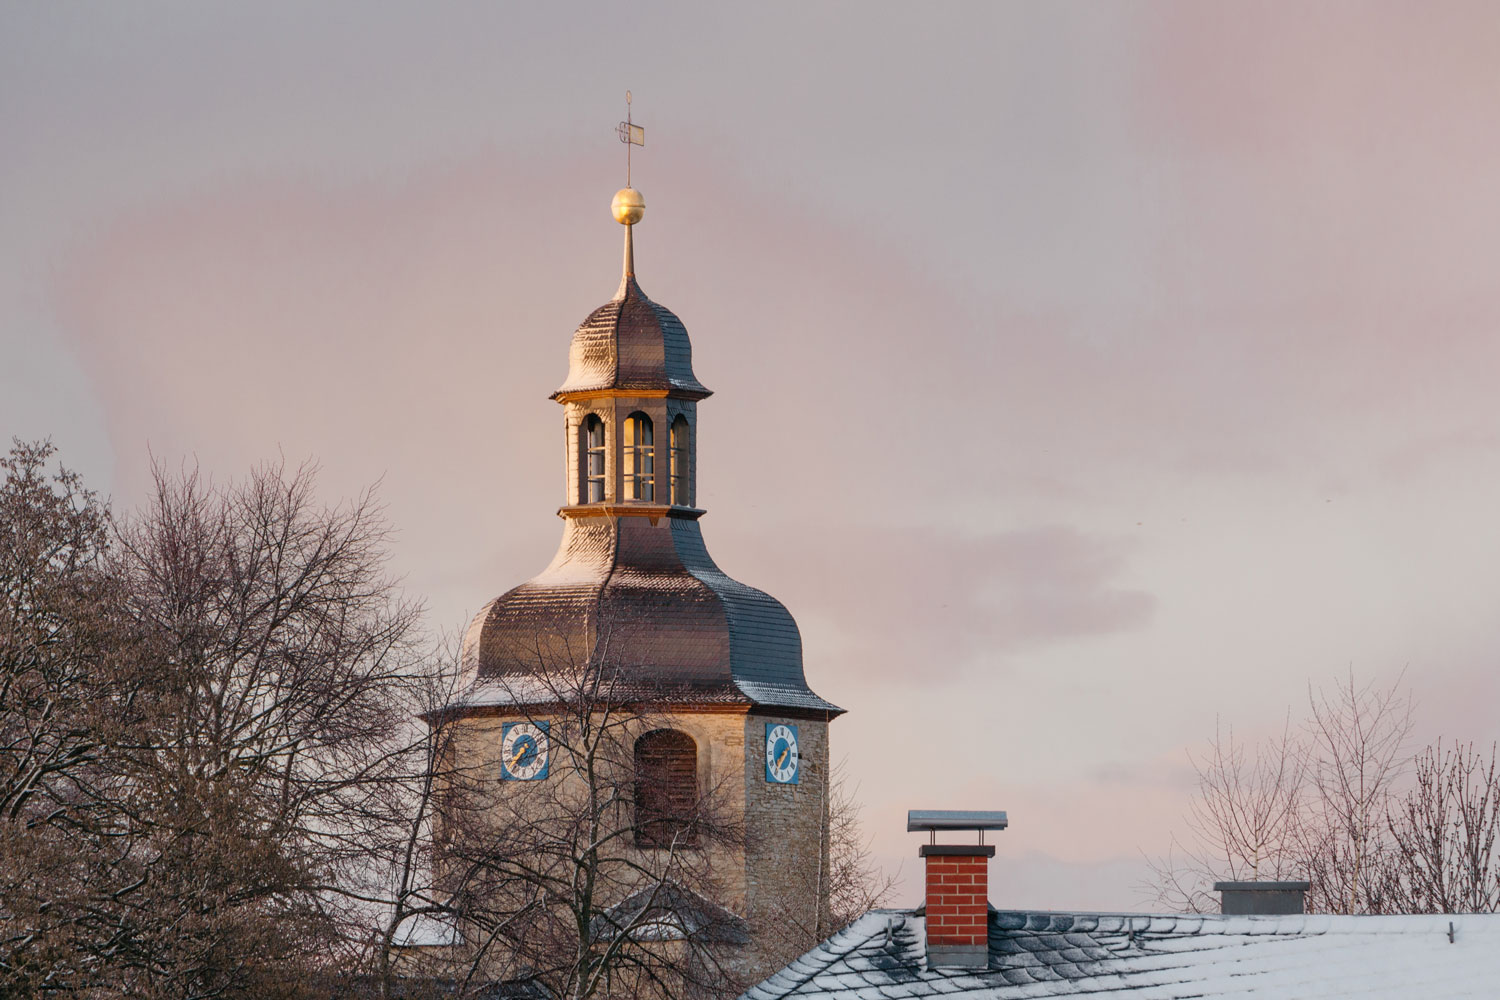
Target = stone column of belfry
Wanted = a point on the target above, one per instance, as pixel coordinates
(633, 589)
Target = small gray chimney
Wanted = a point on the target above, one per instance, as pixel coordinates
(1261, 898)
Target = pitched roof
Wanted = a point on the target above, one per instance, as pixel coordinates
(670, 912)
(427, 930)
(882, 956)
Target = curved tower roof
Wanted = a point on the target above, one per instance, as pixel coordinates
(631, 342)
(632, 589)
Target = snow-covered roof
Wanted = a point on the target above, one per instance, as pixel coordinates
(424, 930)
(882, 956)
(669, 912)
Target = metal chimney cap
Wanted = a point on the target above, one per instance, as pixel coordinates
(954, 819)
(1262, 886)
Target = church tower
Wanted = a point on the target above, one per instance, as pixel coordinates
(713, 667)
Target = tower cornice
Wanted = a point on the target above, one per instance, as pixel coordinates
(660, 708)
(651, 510)
(625, 392)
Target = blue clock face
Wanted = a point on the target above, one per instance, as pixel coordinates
(524, 752)
(783, 756)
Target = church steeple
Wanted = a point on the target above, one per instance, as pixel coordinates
(631, 348)
(710, 669)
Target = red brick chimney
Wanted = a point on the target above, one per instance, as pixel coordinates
(958, 903)
(957, 906)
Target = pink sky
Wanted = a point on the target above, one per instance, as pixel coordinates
(1083, 374)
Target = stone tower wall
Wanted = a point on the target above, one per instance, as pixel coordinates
(777, 879)
(786, 844)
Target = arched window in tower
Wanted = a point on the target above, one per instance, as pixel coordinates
(666, 789)
(680, 461)
(640, 459)
(593, 459)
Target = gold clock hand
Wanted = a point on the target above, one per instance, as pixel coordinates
(519, 754)
(782, 759)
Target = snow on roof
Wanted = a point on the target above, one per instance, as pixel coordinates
(670, 912)
(882, 956)
(424, 930)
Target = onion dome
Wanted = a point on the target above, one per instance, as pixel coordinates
(630, 342)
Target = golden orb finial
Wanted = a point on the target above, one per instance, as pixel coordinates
(628, 206)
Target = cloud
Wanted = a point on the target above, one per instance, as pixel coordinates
(925, 605)
(408, 331)
(413, 330)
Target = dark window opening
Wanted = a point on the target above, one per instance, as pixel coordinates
(666, 789)
(593, 460)
(680, 461)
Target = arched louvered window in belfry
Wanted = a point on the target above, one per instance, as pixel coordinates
(592, 467)
(666, 789)
(640, 458)
(680, 453)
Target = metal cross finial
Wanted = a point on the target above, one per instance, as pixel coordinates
(630, 134)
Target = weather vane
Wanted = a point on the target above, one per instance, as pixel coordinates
(630, 134)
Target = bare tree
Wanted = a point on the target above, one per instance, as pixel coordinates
(856, 883)
(1307, 804)
(1245, 820)
(262, 784)
(203, 714)
(1357, 754)
(1444, 835)
(410, 914)
(66, 688)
